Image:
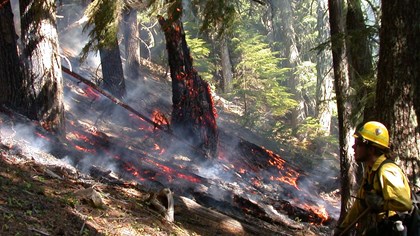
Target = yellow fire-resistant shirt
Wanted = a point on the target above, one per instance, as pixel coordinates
(395, 191)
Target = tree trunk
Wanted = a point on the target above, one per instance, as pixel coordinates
(360, 59)
(227, 73)
(132, 44)
(112, 71)
(324, 85)
(284, 32)
(337, 12)
(193, 111)
(42, 62)
(11, 76)
(398, 74)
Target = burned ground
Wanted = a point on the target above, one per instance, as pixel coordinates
(247, 190)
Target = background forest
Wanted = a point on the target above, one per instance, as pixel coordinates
(299, 75)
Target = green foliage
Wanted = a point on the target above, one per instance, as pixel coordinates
(216, 15)
(315, 138)
(258, 78)
(103, 21)
(200, 51)
(306, 27)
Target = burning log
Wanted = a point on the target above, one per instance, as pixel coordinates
(193, 111)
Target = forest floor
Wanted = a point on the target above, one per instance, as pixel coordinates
(43, 195)
(33, 202)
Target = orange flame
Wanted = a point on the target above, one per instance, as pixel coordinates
(319, 210)
(290, 180)
(288, 176)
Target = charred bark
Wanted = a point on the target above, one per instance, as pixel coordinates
(193, 111)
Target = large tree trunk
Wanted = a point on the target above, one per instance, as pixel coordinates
(324, 84)
(112, 71)
(11, 77)
(360, 58)
(398, 74)
(284, 32)
(193, 111)
(132, 44)
(337, 12)
(42, 62)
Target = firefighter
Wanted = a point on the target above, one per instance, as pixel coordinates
(384, 190)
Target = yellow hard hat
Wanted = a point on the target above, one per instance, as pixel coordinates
(375, 133)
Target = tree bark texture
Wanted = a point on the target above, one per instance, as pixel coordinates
(42, 63)
(132, 44)
(398, 76)
(360, 68)
(11, 76)
(193, 111)
(227, 73)
(360, 59)
(324, 84)
(112, 71)
(284, 32)
(337, 12)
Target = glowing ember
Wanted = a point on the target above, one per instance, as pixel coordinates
(143, 125)
(83, 138)
(159, 118)
(133, 171)
(158, 148)
(92, 93)
(83, 149)
(42, 136)
(171, 172)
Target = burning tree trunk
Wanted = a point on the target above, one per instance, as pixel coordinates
(193, 113)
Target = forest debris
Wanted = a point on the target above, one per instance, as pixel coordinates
(92, 195)
(163, 202)
(52, 174)
(39, 231)
(102, 174)
(281, 218)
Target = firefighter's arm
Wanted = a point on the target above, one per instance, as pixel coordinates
(395, 189)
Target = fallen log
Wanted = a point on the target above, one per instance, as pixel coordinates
(114, 99)
(196, 216)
